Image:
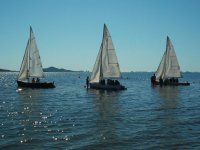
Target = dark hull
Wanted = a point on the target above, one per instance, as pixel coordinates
(172, 84)
(107, 87)
(36, 85)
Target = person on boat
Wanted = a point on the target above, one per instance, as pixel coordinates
(166, 81)
(171, 80)
(117, 82)
(37, 80)
(110, 82)
(87, 82)
(33, 80)
(161, 81)
(176, 80)
(153, 79)
(103, 82)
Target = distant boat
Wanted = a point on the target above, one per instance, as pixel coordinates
(32, 67)
(168, 71)
(106, 68)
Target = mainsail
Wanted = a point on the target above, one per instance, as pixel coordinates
(106, 65)
(31, 65)
(169, 67)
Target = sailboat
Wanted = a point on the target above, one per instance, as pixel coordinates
(106, 67)
(168, 70)
(31, 67)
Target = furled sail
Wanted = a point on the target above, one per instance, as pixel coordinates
(106, 65)
(31, 64)
(169, 67)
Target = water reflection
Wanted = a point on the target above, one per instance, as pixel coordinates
(30, 114)
(168, 116)
(106, 105)
(169, 92)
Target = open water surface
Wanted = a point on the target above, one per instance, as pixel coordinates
(71, 117)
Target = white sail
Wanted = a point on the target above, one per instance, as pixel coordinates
(95, 76)
(106, 65)
(23, 73)
(31, 65)
(35, 61)
(160, 71)
(169, 67)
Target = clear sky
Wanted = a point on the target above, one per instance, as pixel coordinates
(69, 32)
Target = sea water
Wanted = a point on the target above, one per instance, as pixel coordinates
(72, 117)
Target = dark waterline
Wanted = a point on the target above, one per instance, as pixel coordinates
(71, 117)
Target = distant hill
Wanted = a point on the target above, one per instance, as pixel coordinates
(54, 69)
(5, 70)
(49, 69)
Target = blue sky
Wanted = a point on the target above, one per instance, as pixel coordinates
(69, 32)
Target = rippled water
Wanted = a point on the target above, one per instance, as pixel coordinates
(71, 117)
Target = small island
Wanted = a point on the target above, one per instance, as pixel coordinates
(54, 69)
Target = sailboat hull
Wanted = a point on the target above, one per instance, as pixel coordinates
(172, 84)
(107, 87)
(36, 85)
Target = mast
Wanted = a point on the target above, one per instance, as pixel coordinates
(165, 61)
(29, 53)
(101, 56)
(101, 69)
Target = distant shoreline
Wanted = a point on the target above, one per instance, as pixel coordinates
(49, 69)
(54, 69)
(5, 70)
